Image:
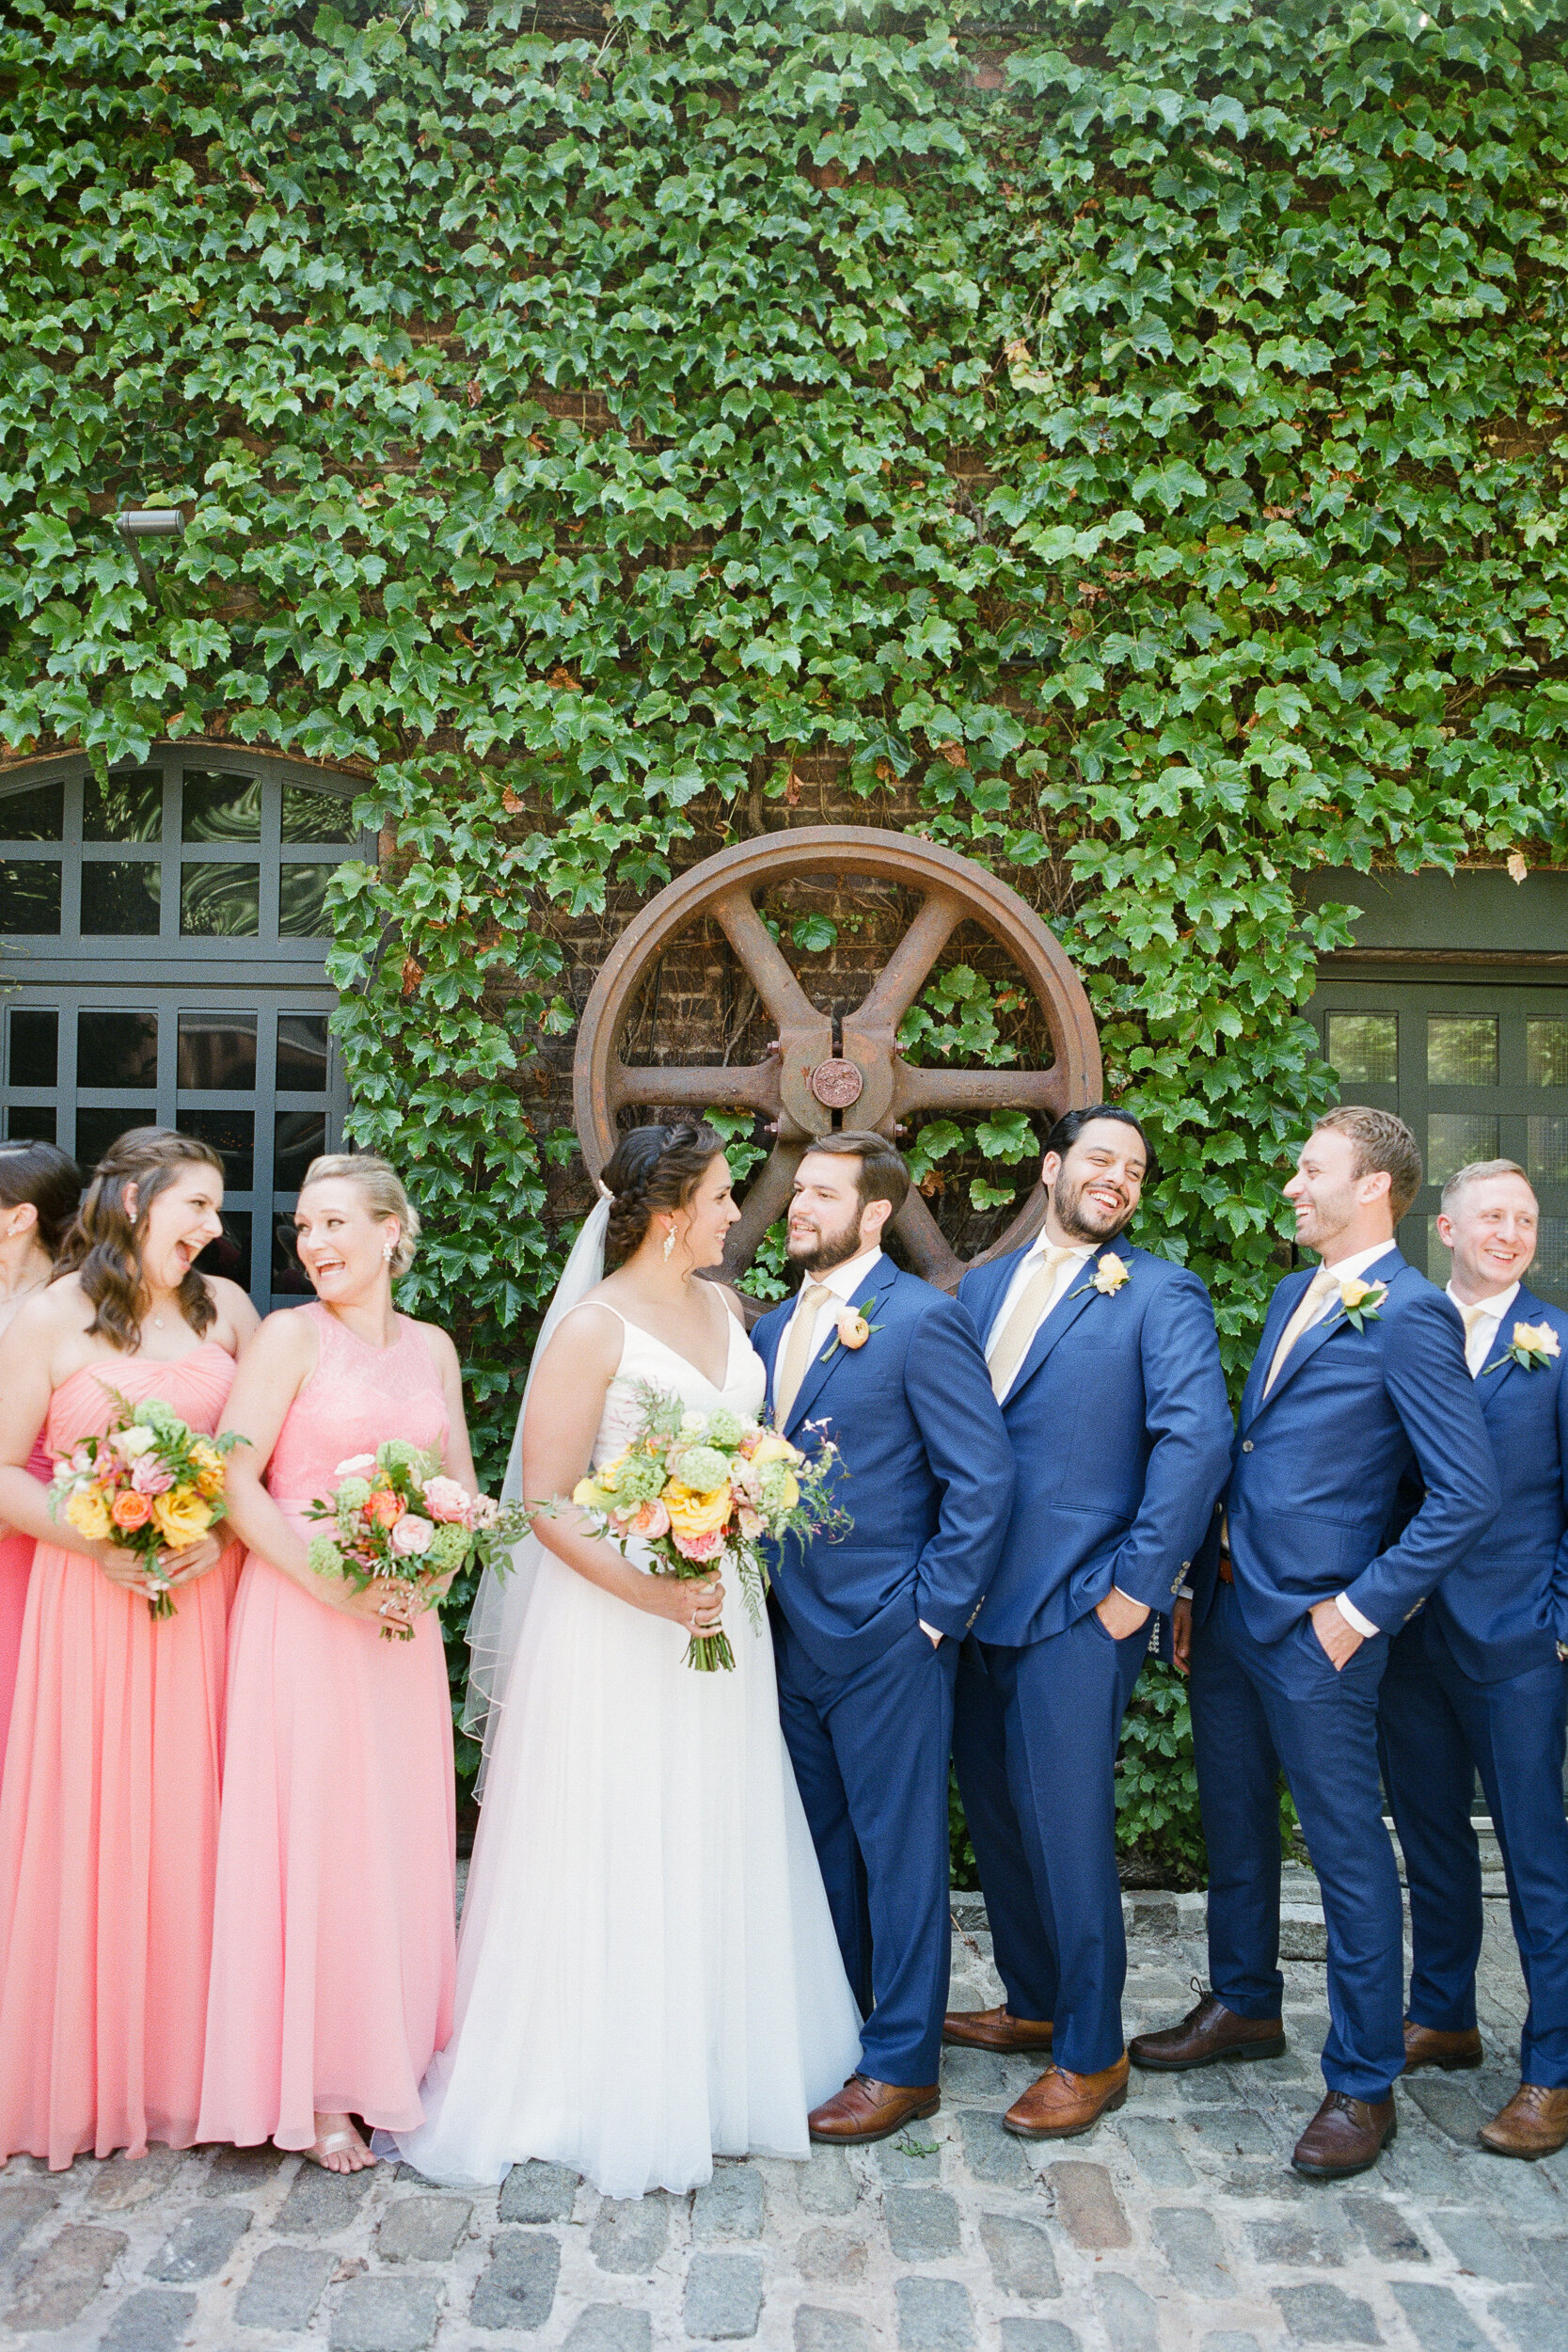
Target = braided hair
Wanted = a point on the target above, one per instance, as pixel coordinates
(653, 1169)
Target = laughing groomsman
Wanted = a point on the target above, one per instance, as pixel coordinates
(1475, 1682)
(1360, 1382)
(1107, 1369)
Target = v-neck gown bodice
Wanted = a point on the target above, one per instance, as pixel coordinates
(647, 1972)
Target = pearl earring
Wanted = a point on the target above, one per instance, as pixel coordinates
(388, 1249)
(669, 1243)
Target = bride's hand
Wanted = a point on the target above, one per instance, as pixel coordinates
(696, 1604)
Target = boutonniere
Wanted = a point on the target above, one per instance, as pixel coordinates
(1532, 1347)
(854, 1328)
(1361, 1300)
(1108, 1277)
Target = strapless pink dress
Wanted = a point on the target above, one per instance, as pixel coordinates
(109, 1823)
(16, 1565)
(334, 1948)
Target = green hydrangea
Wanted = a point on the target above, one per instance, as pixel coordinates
(323, 1556)
(400, 1452)
(449, 1548)
(725, 1427)
(353, 1495)
(703, 1467)
(777, 1477)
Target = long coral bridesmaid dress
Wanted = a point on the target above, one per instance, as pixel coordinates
(334, 1946)
(16, 1564)
(109, 1823)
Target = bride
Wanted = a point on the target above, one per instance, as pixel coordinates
(647, 1972)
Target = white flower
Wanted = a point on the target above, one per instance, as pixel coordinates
(356, 1464)
(1537, 1338)
(1111, 1273)
(691, 1424)
(128, 1443)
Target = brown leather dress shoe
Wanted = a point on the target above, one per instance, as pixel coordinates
(1345, 2135)
(1206, 2036)
(993, 2029)
(1533, 2123)
(1428, 2045)
(866, 2110)
(1061, 2105)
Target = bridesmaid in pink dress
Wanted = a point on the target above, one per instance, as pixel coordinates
(40, 1187)
(108, 1813)
(334, 1949)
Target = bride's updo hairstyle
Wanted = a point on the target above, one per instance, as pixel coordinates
(651, 1169)
(105, 1246)
(384, 1195)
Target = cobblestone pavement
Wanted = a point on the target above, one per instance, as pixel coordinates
(1175, 2223)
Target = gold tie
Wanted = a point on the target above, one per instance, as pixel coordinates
(1011, 1343)
(797, 1355)
(1471, 1316)
(1305, 1314)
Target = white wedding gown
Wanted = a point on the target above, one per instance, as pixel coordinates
(647, 1970)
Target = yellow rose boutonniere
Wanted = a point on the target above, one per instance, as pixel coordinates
(1361, 1300)
(854, 1327)
(1533, 1348)
(1111, 1271)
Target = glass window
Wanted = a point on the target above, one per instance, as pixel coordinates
(1546, 1152)
(120, 900)
(1364, 1048)
(233, 1136)
(27, 1124)
(35, 816)
(1439, 1263)
(302, 902)
(316, 816)
(97, 1129)
(218, 1050)
(302, 1053)
(289, 1278)
(220, 902)
(1456, 1138)
(301, 1137)
(229, 1255)
(220, 808)
(1462, 1050)
(29, 897)
(35, 1047)
(1549, 1276)
(130, 808)
(116, 1049)
(1547, 1053)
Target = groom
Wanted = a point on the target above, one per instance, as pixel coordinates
(866, 1628)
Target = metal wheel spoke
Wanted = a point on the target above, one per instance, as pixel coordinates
(763, 960)
(970, 1091)
(926, 1244)
(749, 1086)
(939, 917)
(766, 1202)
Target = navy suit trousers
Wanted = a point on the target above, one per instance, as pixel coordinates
(1035, 1745)
(870, 1748)
(1258, 1709)
(1438, 1728)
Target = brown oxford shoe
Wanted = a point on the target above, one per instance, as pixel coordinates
(1061, 2105)
(1533, 2123)
(1207, 2035)
(866, 2110)
(1427, 2045)
(1345, 2135)
(993, 2029)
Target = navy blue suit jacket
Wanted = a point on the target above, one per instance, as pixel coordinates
(928, 1474)
(1505, 1607)
(1121, 1429)
(1318, 1463)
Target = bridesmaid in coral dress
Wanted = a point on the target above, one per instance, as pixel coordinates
(40, 1187)
(108, 1813)
(334, 1948)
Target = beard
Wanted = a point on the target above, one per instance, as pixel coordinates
(822, 1251)
(1084, 1220)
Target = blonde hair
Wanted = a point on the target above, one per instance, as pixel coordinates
(384, 1195)
(1476, 1172)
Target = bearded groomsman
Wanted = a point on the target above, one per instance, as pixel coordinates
(1106, 1365)
(1359, 1381)
(1475, 1682)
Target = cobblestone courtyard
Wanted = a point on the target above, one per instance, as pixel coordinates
(1175, 2223)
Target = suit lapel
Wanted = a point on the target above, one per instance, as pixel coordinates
(1081, 1296)
(1489, 1386)
(1381, 1270)
(831, 1355)
(985, 1290)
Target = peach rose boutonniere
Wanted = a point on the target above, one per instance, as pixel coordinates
(1361, 1300)
(854, 1328)
(1533, 1348)
(1111, 1271)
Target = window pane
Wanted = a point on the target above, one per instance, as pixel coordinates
(220, 902)
(35, 1048)
(289, 1278)
(97, 1130)
(1549, 1276)
(1462, 1049)
(1439, 1264)
(217, 1049)
(120, 901)
(316, 816)
(233, 1136)
(1546, 1153)
(230, 1253)
(1547, 1053)
(220, 808)
(1364, 1048)
(129, 808)
(25, 1125)
(36, 816)
(116, 1049)
(302, 900)
(302, 1053)
(1454, 1139)
(301, 1137)
(29, 897)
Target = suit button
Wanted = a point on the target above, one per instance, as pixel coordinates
(1185, 1565)
(1246, 1445)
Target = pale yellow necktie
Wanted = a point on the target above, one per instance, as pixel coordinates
(797, 1355)
(1011, 1343)
(1306, 1314)
(1471, 1316)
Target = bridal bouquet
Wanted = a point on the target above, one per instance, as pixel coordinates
(395, 1518)
(150, 1482)
(700, 1491)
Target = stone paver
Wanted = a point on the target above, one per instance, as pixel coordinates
(517, 2289)
(152, 2320)
(723, 2296)
(286, 2283)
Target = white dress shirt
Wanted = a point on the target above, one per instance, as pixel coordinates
(1481, 1338)
(1068, 1277)
(1343, 1269)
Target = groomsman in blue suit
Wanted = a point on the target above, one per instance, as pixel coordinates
(1360, 1379)
(1107, 1369)
(867, 1626)
(1475, 1682)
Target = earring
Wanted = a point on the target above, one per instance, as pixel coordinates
(669, 1243)
(389, 1251)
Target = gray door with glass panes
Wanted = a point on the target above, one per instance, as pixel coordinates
(162, 944)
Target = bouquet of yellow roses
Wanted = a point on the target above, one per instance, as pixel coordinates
(701, 1491)
(150, 1482)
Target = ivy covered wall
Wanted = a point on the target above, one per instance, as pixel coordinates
(1123, 441)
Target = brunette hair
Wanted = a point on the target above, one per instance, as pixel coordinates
(653, 1169)
(103, 1247)
(382, 1186)
(1381, 1145)
(884, 1172)
(1066, 1130)
(50, 1179)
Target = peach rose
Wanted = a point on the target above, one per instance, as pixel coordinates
(385, 1507)
(131, 1510)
